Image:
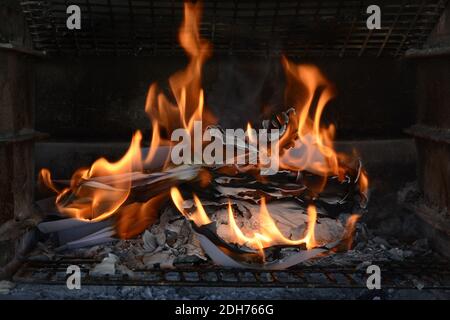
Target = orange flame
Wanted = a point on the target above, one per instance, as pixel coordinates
(45, 177)
(350, 227)
(269, 234)
(134, 218)
(363, 183)
(313, 149)
(199, 217)
(251, 133)
(100, 202)
(102, 190)
(185, 85)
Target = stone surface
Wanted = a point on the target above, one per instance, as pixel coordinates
(6, 286)
(26, 291)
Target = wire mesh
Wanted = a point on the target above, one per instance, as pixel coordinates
(238, 27)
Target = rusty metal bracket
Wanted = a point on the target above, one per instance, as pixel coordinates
(22, 50)
(429, 133)
(427, 52)
(24, 136)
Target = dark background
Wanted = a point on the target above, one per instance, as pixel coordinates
(102, 98)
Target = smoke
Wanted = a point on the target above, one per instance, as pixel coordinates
(241, 90)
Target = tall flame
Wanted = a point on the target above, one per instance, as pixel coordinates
(185, 85)
(313, 149)
(102, 201)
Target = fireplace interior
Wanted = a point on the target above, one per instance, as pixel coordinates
(70, 97)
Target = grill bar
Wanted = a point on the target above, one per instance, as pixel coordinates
(251, 27)
(433, 275)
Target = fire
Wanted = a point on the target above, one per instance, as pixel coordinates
(313, 149)
(134, 218)
(95, 204)
(101, 191)
(269, 234)
(251, 134)
(188, 102)
(363, 183)
(350, 230)
(199, 217)
(185, 85)
(155, 143)
(46, 178)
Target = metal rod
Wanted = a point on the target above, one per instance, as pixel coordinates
(428, 53)
(350, 33)
(430, 133)
(391, 28)
(22, 50)
(113, 26)
(413, 22)
(133, 28)
(91, 23)
(29, 135)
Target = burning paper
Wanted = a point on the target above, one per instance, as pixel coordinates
(245, 240)
(276, 188)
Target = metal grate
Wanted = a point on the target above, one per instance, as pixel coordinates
(429, 274)
(248, 27)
